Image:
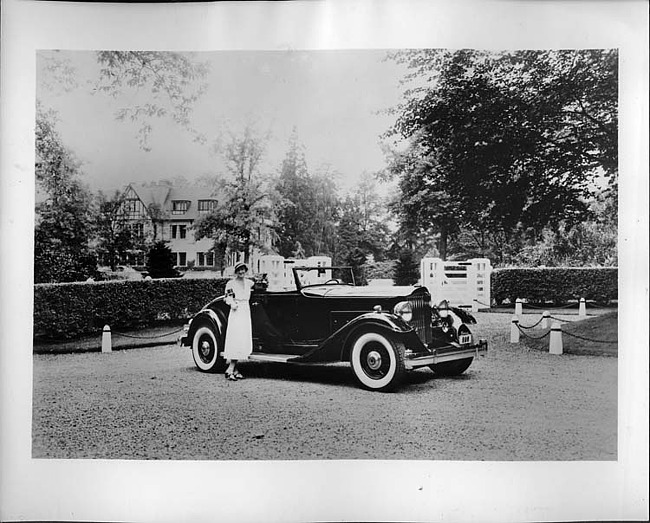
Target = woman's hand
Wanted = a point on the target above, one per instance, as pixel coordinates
(234, 306)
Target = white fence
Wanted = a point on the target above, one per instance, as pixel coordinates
(463, 284)
(280, 276)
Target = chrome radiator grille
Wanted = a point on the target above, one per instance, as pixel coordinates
(421, 317)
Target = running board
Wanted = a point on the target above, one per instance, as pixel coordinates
(278, 358)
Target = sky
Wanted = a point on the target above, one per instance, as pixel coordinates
(335, 100)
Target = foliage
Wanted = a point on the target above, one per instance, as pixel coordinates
(363, 222)
(63, 212)
(407, 269)
(161, 261)
(306, 207)
(64, 311)
(498, 141)
(174, 82)
(380, 270)
(357, 260)
(243, 218)
(113, 235)
(556, 284)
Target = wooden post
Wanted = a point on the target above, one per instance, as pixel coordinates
(474, 305)
(514, 330)
(518, 308)
(106, 339)
(546, 319)
(555, 343)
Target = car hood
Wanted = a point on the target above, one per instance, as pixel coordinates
(348, 291)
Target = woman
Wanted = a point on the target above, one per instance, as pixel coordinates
(239, 338)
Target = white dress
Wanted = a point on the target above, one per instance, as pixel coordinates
(239, 337)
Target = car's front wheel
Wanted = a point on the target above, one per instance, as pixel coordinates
(377, 361)
(206, 348)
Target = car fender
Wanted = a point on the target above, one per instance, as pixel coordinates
(210, 316)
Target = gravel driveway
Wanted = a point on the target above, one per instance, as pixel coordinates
(513, 404)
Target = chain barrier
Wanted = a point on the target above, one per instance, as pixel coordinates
(532, 337)
(564, 321)
(484, 304)
(589, 339)
(147, 337)
(532, 326)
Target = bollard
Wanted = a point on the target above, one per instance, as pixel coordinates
(546, 319)
(518, 309)
(555, 342)
(106, 339)
(582, 309)
(514, 330)
(475, 305)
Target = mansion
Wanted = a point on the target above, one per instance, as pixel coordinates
(168, 213)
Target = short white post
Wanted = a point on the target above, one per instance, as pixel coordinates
(582, 309)
(514, 330)
(546, 319)
(474, 305)
(106, 339)
(518, 308)
(555, 343)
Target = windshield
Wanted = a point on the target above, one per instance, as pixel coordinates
(323, 275)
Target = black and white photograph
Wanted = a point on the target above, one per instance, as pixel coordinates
(360, 265)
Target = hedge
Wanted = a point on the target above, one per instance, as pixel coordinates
(555, 284)
(68, 310)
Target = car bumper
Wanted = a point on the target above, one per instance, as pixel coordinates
(447, 353)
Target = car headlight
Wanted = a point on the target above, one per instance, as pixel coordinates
(404, 310)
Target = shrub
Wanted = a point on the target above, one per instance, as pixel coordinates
(382, 270)
(407, 269)
(555, 284)
(69, 310)
(160, 261)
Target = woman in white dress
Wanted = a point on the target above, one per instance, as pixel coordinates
(239, 337)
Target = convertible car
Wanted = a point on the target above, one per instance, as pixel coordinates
(381, 331)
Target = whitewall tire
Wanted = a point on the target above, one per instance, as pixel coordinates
(377, 361)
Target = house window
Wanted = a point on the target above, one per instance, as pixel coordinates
(131, 205)
(179, 231)
(182, 259)
(207, 205)
(205, 259)
(137, 229)
(180, 206)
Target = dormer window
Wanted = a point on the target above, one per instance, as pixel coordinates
(180, 206)
(207, 205)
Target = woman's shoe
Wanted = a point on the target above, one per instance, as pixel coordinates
(230, 376)
(238, 375)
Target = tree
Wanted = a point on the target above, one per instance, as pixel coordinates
(161, 261)
(244, 217)
(306, 206)
(63, 212)
(362, 222)
(357, 260)
(407, 268)
(161, 84)
(114, 235)
(499, 141)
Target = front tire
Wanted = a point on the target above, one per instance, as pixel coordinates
(377, 361)
(206, 347)
(451, 368)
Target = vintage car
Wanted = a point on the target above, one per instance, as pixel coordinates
(381, 331)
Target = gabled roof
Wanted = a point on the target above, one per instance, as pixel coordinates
(163, 196)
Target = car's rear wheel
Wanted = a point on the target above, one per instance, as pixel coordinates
(377, 361)
(206, 348)
(451, 368)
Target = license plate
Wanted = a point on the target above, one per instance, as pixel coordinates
(464, 339)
